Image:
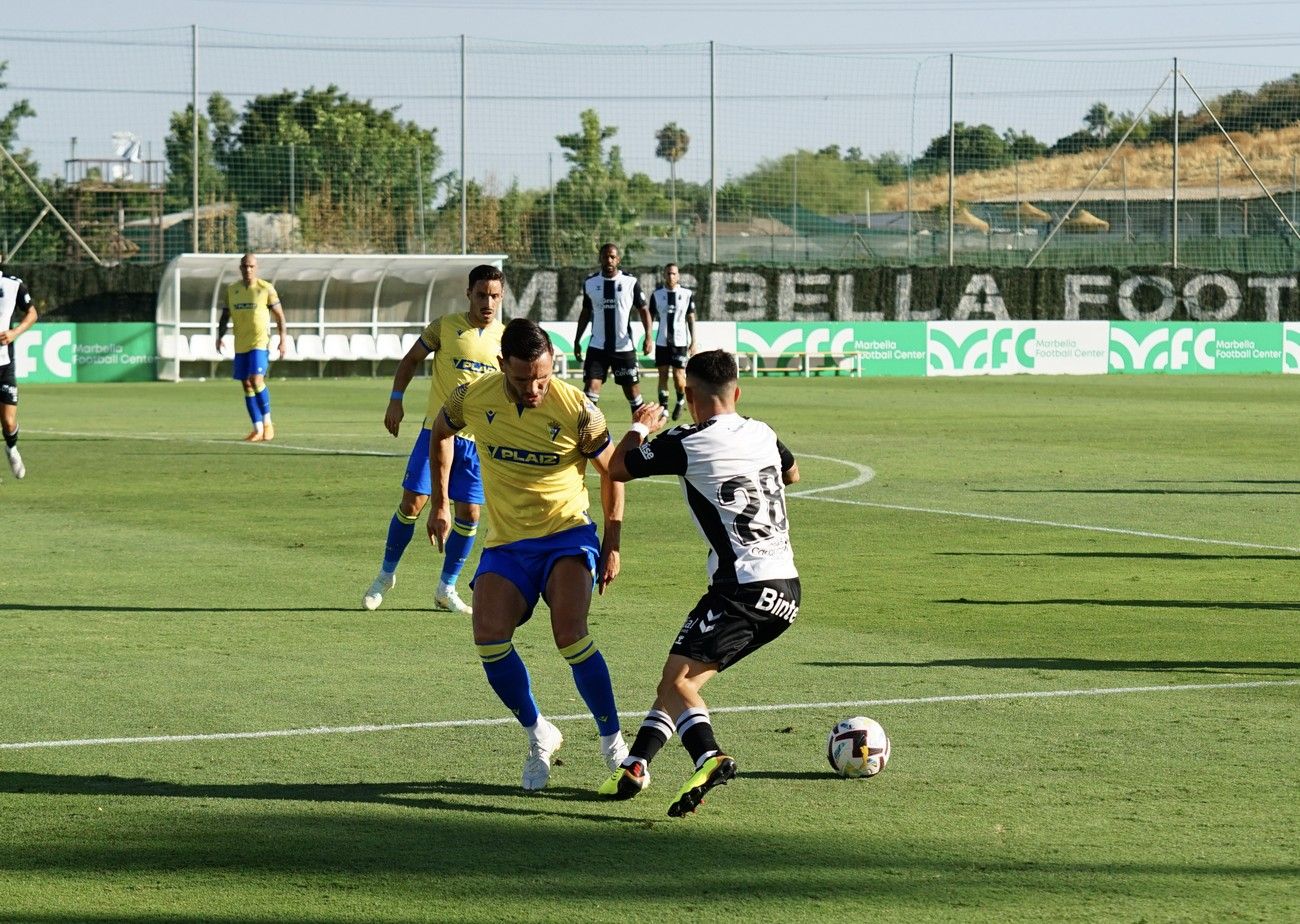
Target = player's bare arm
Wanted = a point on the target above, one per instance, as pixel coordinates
(650, 416)
(9, 336)
(648, 344)
(406, 370)
(278, 311)
(690, 326)
(222, 325)
(612, 500)
(790, 475)
(440, 453)
(584, 318)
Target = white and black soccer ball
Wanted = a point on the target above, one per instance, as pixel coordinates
(858, 747)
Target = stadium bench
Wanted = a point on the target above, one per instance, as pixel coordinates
(805, 364)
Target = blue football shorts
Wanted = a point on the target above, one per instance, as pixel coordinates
(254, 362)
(465, 484)
(527, 563)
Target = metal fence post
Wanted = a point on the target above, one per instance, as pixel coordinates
(713, 154)
(194, 130)
(952, 163)
(464, 202)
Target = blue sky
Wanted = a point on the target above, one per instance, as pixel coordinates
(1048, 58)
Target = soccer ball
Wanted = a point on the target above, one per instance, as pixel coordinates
(858, 747)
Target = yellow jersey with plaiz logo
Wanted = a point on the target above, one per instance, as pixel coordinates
(533, 459)
(250, 315)
(461, 353)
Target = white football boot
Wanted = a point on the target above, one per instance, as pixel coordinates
(446, 598)
(378, 587)
(544, 740)
(15, 462)
(613, 749)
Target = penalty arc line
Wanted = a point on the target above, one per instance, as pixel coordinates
(773, 707)
(1026, 521)
(865, 474)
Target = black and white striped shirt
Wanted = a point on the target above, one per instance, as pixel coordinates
(730, 469)
(611, 302)
(669, 307)
(13, 298)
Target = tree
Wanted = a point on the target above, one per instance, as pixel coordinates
(19, 206)
(1022, 145)
(354, 173)
(975, 147)
(1099, 119)
(179, 149)
(672, 144)
(593, 203)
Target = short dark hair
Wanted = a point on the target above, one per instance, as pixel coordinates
(485, 271)
(608, 245)
(667, 266)
(714, 371)
(526, 340)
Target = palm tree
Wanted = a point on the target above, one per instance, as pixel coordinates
(673, 142)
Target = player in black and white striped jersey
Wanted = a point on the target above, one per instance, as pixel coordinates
(14, 300)
(608, 300)
(733, 471)
(672, 306)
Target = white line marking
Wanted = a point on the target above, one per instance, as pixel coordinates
(1030, 522)
(170, 438)
(865, 474)
(779, 707)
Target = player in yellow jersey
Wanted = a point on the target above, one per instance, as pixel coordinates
(250, 304)
(464, 346)
(535, 436)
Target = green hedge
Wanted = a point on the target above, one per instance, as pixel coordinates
(83, 292)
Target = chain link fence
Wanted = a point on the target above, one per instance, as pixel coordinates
(699, 152)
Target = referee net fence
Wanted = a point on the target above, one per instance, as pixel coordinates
(697, 152)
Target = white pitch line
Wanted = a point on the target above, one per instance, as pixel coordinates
(865, 474)
(1081, 526)
(776, 707)
(170, 438)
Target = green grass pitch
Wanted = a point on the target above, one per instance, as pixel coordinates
(959, 541)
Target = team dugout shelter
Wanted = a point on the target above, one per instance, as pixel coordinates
(346, 308)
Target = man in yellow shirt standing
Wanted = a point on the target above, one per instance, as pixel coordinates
(250, 304)
(464, 346)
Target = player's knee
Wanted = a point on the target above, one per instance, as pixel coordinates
(674, 685)
(567, 630)
(412, 504)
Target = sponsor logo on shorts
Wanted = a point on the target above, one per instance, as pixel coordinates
(778, 604)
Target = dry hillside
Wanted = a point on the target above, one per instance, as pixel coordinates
(1273, 155)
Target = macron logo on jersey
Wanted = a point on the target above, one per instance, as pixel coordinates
(523, 456)
(490, 415)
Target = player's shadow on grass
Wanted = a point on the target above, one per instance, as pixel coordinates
(97, 608)
(1199, 491)
(1282, 606)
(1160, 556)
(1219, 481)
(415, 795)
(1083, 664)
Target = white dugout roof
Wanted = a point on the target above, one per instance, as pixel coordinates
(321, 294)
